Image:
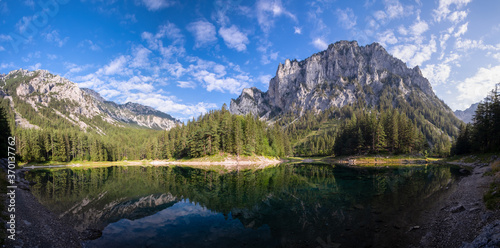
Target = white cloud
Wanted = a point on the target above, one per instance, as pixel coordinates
(117, 66)
(154, 5)
(394, 9)
(496, 56)
(2, 49)
(72, 68)
(4, 37)
(457, 16)
(475, 88)
(129, 18)
(402, 30)
(168, 104)
(35, 66)
(387, 37)
(155, 41)
(415, 54)
(231, 85)
(53, 37)
(452, 58)
(461, 30)
(34, 55)
(234, 38)
(29, 3)
(51, 56)
(90, 44)
(176, 69)
(419, 27)
(320, 44)
(23, 24)
(297, 30)
(380, 15)
(109, 93)
(186, 84)
(212, 81)
(346, 18)
(437, 73)
(466, 44)
(140, 57)
(267, 10)
(442, 40)
(6, 65)
(203, 32)
(170, 31)
(264, 79)
(266, 58)
(444, 8)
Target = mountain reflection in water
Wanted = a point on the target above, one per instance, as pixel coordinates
(288, 205)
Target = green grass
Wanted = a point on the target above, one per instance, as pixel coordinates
(492, 196)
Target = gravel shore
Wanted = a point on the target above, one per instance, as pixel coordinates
(35, 225)
(457, 219)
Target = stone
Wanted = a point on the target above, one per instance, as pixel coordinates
(457, 209)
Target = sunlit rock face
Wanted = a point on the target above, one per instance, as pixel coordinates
(342, 74)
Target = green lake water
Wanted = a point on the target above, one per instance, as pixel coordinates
(288, 205)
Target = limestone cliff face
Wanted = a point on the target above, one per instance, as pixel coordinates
(41, 89)
(342, 74)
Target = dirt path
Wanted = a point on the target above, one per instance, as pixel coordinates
(457, 219)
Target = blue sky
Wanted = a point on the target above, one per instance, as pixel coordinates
(186, 57)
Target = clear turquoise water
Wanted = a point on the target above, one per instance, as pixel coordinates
(284, 206)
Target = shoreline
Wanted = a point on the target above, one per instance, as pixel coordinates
(460, 218)
(454, 220)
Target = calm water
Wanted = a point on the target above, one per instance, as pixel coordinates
(284, 206)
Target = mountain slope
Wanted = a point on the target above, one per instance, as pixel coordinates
(468, 114)
(347, 74)
(41, 95)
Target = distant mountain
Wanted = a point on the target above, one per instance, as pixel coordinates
(468, 114)
(347, 74)
(40, 94)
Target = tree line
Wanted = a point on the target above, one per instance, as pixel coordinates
(352, 129)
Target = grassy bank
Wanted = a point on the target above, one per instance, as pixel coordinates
(492, 196)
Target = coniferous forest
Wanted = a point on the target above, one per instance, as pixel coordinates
(349, 130)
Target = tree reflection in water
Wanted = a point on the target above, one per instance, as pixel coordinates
(284, 206)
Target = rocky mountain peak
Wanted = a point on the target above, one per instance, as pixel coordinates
(342, 74)
(93, 94)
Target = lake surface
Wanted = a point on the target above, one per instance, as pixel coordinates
(288, 205)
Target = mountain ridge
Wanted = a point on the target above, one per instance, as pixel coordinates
(41, 89)
(467, 115)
